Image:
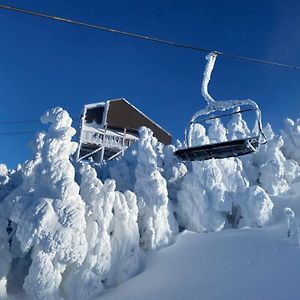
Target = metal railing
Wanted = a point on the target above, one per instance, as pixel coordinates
(106, 140)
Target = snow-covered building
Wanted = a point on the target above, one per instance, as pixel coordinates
(106, 129)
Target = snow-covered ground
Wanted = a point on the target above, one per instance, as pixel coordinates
(248, 263)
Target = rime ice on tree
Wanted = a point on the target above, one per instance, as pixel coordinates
(48, 210)
(151, 190)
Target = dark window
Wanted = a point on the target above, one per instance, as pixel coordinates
(94, 114)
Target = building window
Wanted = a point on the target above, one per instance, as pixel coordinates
(94, 114)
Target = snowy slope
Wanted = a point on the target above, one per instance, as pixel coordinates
(249, 263)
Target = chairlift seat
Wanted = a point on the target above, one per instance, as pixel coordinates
(221, 150)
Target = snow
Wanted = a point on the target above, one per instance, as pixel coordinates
(247, 263)
(244, 264)
(149, 226)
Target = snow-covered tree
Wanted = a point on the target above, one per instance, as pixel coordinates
(173, 172)
(198, 135)
(271, 164)
(291, 138)
(112, 235)
(253, 207)
(87, 280)
(125, 238)
(200, 199)
(48, 210)
(5, 255)
(151, 190)
(216, 131)
(237, 127)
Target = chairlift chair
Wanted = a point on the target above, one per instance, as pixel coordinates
(226, 149)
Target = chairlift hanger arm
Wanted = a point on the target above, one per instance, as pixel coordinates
(211, 59)
(213, 105)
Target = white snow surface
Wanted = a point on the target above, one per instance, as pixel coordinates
(156, 226)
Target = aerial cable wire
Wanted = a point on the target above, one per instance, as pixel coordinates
(19, 122)
(11, 122)
(143, 37)
(16, 133)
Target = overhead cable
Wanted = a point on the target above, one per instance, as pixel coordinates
(148, 38)
(16, 133)
(19, 122)
(12, 122)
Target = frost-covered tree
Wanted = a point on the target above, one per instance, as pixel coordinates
(122, 169)
(112, 235)
(253, 207)
(48, 210)
(125, 238)
(87, 280)
(173, 171)
(237, 127)
(5, 255)
(216, 131)
(151, 190)
(198, 135)
(203, 199)
(211, 192)
(200, 199)
(291, 138)
(271, 164)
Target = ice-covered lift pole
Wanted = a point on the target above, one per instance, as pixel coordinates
(148, 38)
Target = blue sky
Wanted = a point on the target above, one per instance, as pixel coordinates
(46, 64)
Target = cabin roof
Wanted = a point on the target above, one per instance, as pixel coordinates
(121, 113)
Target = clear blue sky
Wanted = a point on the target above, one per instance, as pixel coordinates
(46, 64)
